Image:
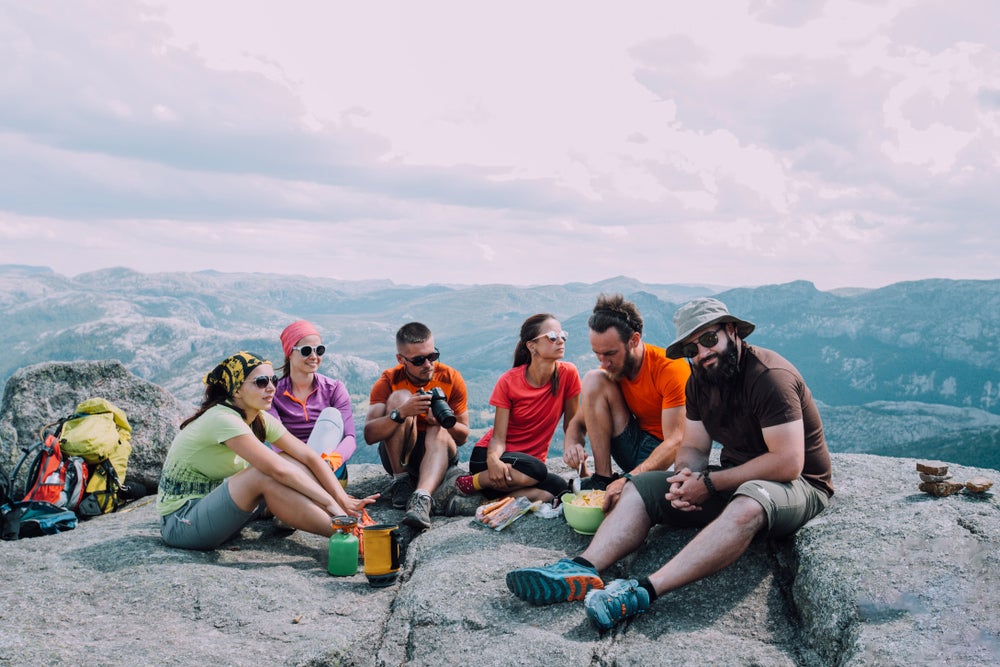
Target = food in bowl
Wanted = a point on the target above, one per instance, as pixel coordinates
(583, 511)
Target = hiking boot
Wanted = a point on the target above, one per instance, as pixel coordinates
(401, 490)
(418, 511)
(621, 600)
(597, 482)
(561, 581)
(459, 505)
(446, 489)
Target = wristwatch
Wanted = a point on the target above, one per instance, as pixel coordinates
(396, 417)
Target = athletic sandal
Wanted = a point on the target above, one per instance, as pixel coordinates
(561, 581)
(621, 600)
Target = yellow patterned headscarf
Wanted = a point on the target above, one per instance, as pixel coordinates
(232, 371)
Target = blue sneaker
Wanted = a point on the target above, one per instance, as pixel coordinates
(561, 581)
(622, 599)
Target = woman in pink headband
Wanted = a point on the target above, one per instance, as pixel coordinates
(313, 407)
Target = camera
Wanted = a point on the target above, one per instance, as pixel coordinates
(439, 407)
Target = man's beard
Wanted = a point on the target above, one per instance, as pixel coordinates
(726, 368)
(629, 367)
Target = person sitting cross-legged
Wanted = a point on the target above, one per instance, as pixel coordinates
(530, 399)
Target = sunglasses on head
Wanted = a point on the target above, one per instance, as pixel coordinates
(707, 339)
(420, 359)
(307, 350)
(553, 336)
(261, 381)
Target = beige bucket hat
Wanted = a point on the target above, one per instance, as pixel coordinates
(700, 313)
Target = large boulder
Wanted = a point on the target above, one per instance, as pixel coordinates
(887, 575)
(43, 393)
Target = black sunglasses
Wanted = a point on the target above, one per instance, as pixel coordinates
(707, 339)
(307, 350)
(261, 381)
(419, 360)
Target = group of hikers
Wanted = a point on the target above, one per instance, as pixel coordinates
(263, 445)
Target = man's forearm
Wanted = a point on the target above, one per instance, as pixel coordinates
(660, 458)
(692, 458)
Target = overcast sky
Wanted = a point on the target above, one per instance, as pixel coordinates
(732, 143)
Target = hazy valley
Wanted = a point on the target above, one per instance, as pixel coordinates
(909, 370)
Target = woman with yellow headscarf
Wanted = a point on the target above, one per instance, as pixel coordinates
(219, 473)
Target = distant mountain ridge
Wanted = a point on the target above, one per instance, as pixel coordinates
(908, 345)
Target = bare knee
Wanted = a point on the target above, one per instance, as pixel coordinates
(396, 399)
(744, 514)
(595, 383)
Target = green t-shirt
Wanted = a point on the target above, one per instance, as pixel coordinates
(199, 460)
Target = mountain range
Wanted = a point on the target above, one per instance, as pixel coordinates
(911, 369)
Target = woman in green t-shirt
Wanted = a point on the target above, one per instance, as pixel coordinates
(219, 473)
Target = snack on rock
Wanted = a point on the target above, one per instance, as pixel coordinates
(932, 469)
(924, 477)
(941, 488)
(978, 484)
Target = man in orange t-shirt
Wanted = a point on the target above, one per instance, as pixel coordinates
(415, 448)
(632, 407)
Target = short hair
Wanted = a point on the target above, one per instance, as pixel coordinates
(612, 310)
(412, 333)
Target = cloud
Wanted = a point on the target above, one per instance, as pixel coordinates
(841, 142)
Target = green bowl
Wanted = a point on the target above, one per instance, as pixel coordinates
(583, 520)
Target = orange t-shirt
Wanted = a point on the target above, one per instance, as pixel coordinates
(446, 377)
(658, 386)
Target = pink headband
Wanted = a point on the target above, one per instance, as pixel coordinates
(295, 332)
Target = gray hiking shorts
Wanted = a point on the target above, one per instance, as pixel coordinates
(205, 523)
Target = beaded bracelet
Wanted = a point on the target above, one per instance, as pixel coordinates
(709, 484)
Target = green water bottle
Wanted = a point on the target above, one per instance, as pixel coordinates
(343, 555)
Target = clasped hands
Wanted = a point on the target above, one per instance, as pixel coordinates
(687, 490)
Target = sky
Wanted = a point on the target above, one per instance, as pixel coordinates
(751, 142)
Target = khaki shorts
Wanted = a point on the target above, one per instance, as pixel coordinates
(788, 506)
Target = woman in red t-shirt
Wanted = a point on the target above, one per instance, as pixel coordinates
(529, 399)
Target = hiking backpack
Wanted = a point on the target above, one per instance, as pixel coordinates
(53, 477)
(32, 518)
(99, 433)
(81, 461)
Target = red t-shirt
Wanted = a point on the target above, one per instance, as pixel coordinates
(534, 411)
(446, 377)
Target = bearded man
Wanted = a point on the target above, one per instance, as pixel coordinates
(632, 407)
(774, 475)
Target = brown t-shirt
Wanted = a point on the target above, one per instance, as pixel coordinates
(770, 392)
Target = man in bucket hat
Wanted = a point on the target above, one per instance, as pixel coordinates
(774, 474)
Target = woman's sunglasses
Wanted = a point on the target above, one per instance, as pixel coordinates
(261, 381)
(707, 339)
(307, 350)
(419, 360)
(553, 336)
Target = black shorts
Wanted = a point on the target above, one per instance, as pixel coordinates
(412, 466)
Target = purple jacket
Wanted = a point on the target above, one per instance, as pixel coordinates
(299, 418)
